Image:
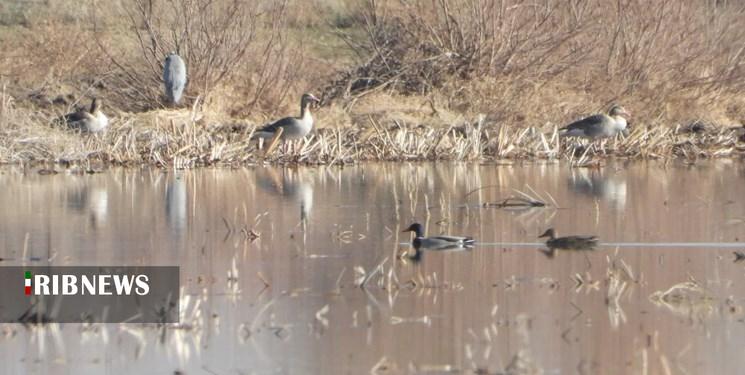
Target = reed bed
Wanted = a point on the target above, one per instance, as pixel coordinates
(184, 140)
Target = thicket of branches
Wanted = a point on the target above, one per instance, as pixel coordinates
(623, 46)
(221, 42)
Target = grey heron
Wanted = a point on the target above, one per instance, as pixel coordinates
(174, 77)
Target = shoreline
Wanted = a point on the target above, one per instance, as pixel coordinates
(192, 145)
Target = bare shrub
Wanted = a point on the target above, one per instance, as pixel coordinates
(220, 41)
(613, 49)
(425, 44)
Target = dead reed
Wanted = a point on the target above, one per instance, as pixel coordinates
(185, 140)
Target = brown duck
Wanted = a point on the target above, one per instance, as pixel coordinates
(569, 242)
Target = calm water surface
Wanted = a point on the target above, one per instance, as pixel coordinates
(662, 296)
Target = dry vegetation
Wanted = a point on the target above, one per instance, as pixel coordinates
(400, 79)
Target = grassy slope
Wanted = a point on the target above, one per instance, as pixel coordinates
(55, 53)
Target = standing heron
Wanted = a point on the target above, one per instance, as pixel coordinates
(91, 121)
(174, 77)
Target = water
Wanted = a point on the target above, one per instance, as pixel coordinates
(661, 295)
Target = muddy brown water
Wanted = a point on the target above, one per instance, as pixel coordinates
(662, 295)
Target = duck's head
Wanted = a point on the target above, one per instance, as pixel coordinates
(548, 233)
(308, 98)
(417, 228)
(618, 111)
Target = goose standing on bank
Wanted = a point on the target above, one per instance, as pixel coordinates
(292, 127)
(437, 242)
(92, 121)
(598, 126)
(174, 77)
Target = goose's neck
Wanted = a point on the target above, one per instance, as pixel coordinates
(620, 122)
(305, 112)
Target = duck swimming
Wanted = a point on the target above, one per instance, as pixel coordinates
(569, 242)
(437, 242)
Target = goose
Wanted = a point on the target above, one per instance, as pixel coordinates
(174, 77)
(292, 127)
(93, 121)
(437, 242)
(599, 126)
(569, 242)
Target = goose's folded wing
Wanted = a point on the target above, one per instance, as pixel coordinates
(272, 128)
(74, 119)
(588, 123)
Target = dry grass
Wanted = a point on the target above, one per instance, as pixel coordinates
(402, 80)
(189, 139)
(534, 62)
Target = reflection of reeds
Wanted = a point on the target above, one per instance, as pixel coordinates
(618, 278)
(688, 299)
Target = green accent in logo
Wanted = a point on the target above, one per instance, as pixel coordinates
(28, 274)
